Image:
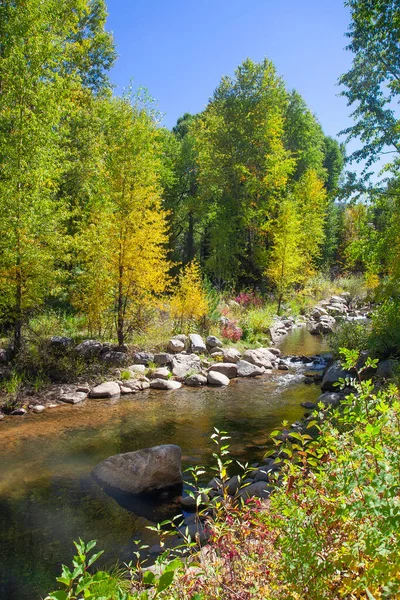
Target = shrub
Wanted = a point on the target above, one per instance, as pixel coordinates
(351, 335)
(189, 303)
(247, 299)
(384, 339)
(231, 331)
(256, 323)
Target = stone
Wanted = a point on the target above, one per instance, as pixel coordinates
(323, 326)
(212, 341)
(274, 351)
(330, 399)
(163, 358)
(197, 344)
(232, 485)
(337, 299)
(387, 368)
(216, 378)
(282, 366)
(332, 376)
(165, 384)
(259, 489)
(139, 369)
(73, 397)
(231, 355)
(188, 503)
(83, 388)
(38, 409)
(144, 471)
(227, 369)
(61, 342)
(109, 389)
(317, 312)
(121, 348)
(89, 349)
(1, 416)
(143, 358)
(3, 355)
(196, 380)
(196, 531)
(113, 358)
(144, 385)
(160, 373)
(263, 473)
(308, 405)
(127, 390)
(185, 364)
(246, 369)
(261, 357)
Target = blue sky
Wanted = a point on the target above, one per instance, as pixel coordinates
(179, 50)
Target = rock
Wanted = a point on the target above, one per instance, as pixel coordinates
(143, 358)
(145, 471)
(73, 397)
(113, 358)
(110, 389)
(246, 369)
(3, 355)
(332, 376)
(188, 503)
(1, 416)
(197, 344)
(85, 388)
(161, 373)
(197, 532)
(282, 366)
(323, 326)
(337, 300)
(61, 342)
(185, 364)
(175, 346)
(260, 489)
(19, 412)
(274, 351)
(263, 473)
(260, 357)
(231, 355)
(318, 312)
(215, 354)
(216, 378)
(89, 349)
(39, 408)
(212, 341)
(330, 399)
(139, 369)
(308, 405)
(232, 485)
(165, 384)
(163, 359)
(196, 380)
(387, 368)
(127, 390)
(227, 369)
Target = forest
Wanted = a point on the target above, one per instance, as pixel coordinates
(117, 229)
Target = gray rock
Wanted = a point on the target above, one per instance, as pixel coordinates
(160, 373)
(83, 388)
(231, 355)
(3, 356)
(143, 358)
(89, 349)
(1, 416)
(109, 389)
(140, 369)
(175, 345)
(196, 531)
(227, 369)
(163, 359)
(246, 369)
(332, 376)
(38, 409)
(185, 364)
(61, 342)
(73, 397)
(260, 489)
(322, 326)
(197, 344)
(216, 378)
(113, 358)
(232, 485)
(147, 470)
(261, 357)
(19, 412)
(196, 380)
(213, 341)
(127, 390)
(282, 366)
(165, 384)
(387, 368)
(330, 399)
(308, 405)
(274, 351)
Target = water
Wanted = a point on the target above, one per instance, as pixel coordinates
(48, 497)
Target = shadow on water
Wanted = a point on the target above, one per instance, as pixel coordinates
(48, 497)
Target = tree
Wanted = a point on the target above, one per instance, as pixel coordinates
(189, 302)
(287, 261)
(128, 219)
(42, 62)
(373, 82)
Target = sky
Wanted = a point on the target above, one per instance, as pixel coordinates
(179, 50)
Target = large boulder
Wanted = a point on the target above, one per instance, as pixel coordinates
(110, 389)
(216, 378)
(143, 358)
(323, 326)
(332, 376)
(231, 355)
(137, 369)
(197, 344)
(212, 341)
(227, 369)
(113, 358)
(165, 384)
(260, 489)
(145, 471)
(261, 357)
(89, 349)
(163, 358)
(60, 342)
(387, 368)
(330, 399)
(185, 364)
(247, 369)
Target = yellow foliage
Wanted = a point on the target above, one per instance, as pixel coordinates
(189, 302)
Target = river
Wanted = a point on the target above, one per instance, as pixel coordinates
(48, 497)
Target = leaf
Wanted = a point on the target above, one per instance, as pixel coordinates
(165, 581)
(59, 595)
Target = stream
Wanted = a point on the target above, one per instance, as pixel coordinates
(48, 497)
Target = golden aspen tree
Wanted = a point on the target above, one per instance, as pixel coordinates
(189, 303)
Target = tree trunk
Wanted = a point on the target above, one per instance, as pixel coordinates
(190, 251)
(120, 314)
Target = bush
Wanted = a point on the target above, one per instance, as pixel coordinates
(384, 339)
(351, 335)
(256, 323)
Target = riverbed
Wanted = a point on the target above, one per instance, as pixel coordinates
(48, 497)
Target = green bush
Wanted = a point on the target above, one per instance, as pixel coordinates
(384, 340)
(351, 335)
(256, 322)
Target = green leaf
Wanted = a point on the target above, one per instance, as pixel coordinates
(165, 581)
